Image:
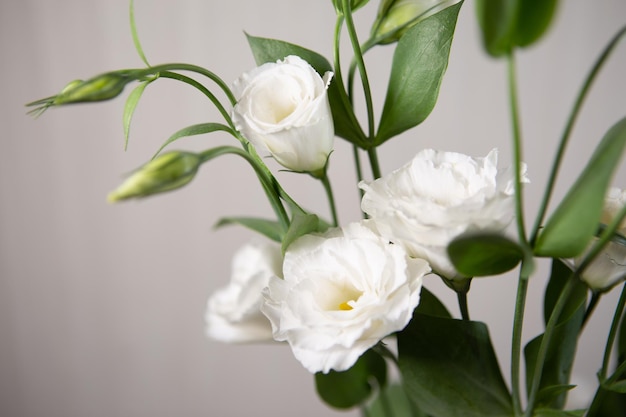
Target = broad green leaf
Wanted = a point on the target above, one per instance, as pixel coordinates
(506, 24)
(449, 368)
(419, 63)
(562, 348)
(575, 221)
(484, 254)
(431, 305)
(301, 224)
(352, 387)
(271, 50)
(618, 386)
(129, 108)
(269, 228)
(392, 401)
(199, 129)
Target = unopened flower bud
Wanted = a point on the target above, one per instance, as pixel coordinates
(166, 172)
(609, 267)
(100, 88)
(396, 16)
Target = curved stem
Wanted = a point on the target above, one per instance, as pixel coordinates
(204, 90)
(619, 309)
(517, 147)
(516, 341)
(331, 199)
(568, 129)
(358, 55)
(545, 342)
(371, 152)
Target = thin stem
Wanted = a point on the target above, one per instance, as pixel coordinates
(358, 56)
(517, 147)
(358, 169)
(593, 303)
(371, 152)
(619, 309)
(568, 129)
(203, 89)
(546, 340)
(331, 199)
(516, 342)
(462, 298)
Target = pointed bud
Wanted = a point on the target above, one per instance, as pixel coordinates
(396, 16)
(166, 172)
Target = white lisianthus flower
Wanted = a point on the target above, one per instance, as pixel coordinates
(341, 294)
(233, 312)
(283, 108)
(425, 204)
(609, 267)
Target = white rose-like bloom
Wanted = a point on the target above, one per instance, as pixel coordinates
(437, 196)
(283, 108)
(233, 312)
(342, 292)
(609, 267)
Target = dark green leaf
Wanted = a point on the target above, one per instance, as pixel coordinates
(129, 108)
(575, 221)
(431, 305)
(199, 129)
(618, 386)
(450, 369)
(268, 228)
(392, 401)
(506, 24)
(547, 394)
(301, 224)
(562, 348)
(271, 50)
(549, 412)
(483, 254)
(352, 387)
(621, 340)
(418, 66)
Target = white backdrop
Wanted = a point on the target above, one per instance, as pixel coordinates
(101, 305)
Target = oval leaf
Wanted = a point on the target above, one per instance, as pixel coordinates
(352, 387)
(418, 66)
(449, 368)
(533, 20)
(484, 254)
(271, 50)
(575, 220)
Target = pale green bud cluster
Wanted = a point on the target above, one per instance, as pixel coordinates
(166, 172)
(396, 16)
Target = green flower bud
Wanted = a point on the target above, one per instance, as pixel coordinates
(354, 5)
(100, 88)
(396, 16)
(166, 172)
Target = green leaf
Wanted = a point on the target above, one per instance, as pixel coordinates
(199, 129)
(484, 254)
(133, 31)
(269, 228)
(419, 63)
(550, 412)
(352, 387)
(449, 368)
(129, 108)
(575, 221)
(392, 401)
(506, 24)
(431, 305)
(621, 340)
(562, 348)
(618, 386)
(271, 50)
(301, 224)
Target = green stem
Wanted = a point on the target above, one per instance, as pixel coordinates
(331, 199)
(516, 341)
(462, 298)
(619, 310)
(517, 147)
(358, 56)
(568, 129)
(204, 90)
(546, 340)
(593, 303)
(371, 152)
(358, 169)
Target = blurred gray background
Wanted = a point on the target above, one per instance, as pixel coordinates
(101, 306)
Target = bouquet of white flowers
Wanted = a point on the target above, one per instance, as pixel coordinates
(349, 298)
